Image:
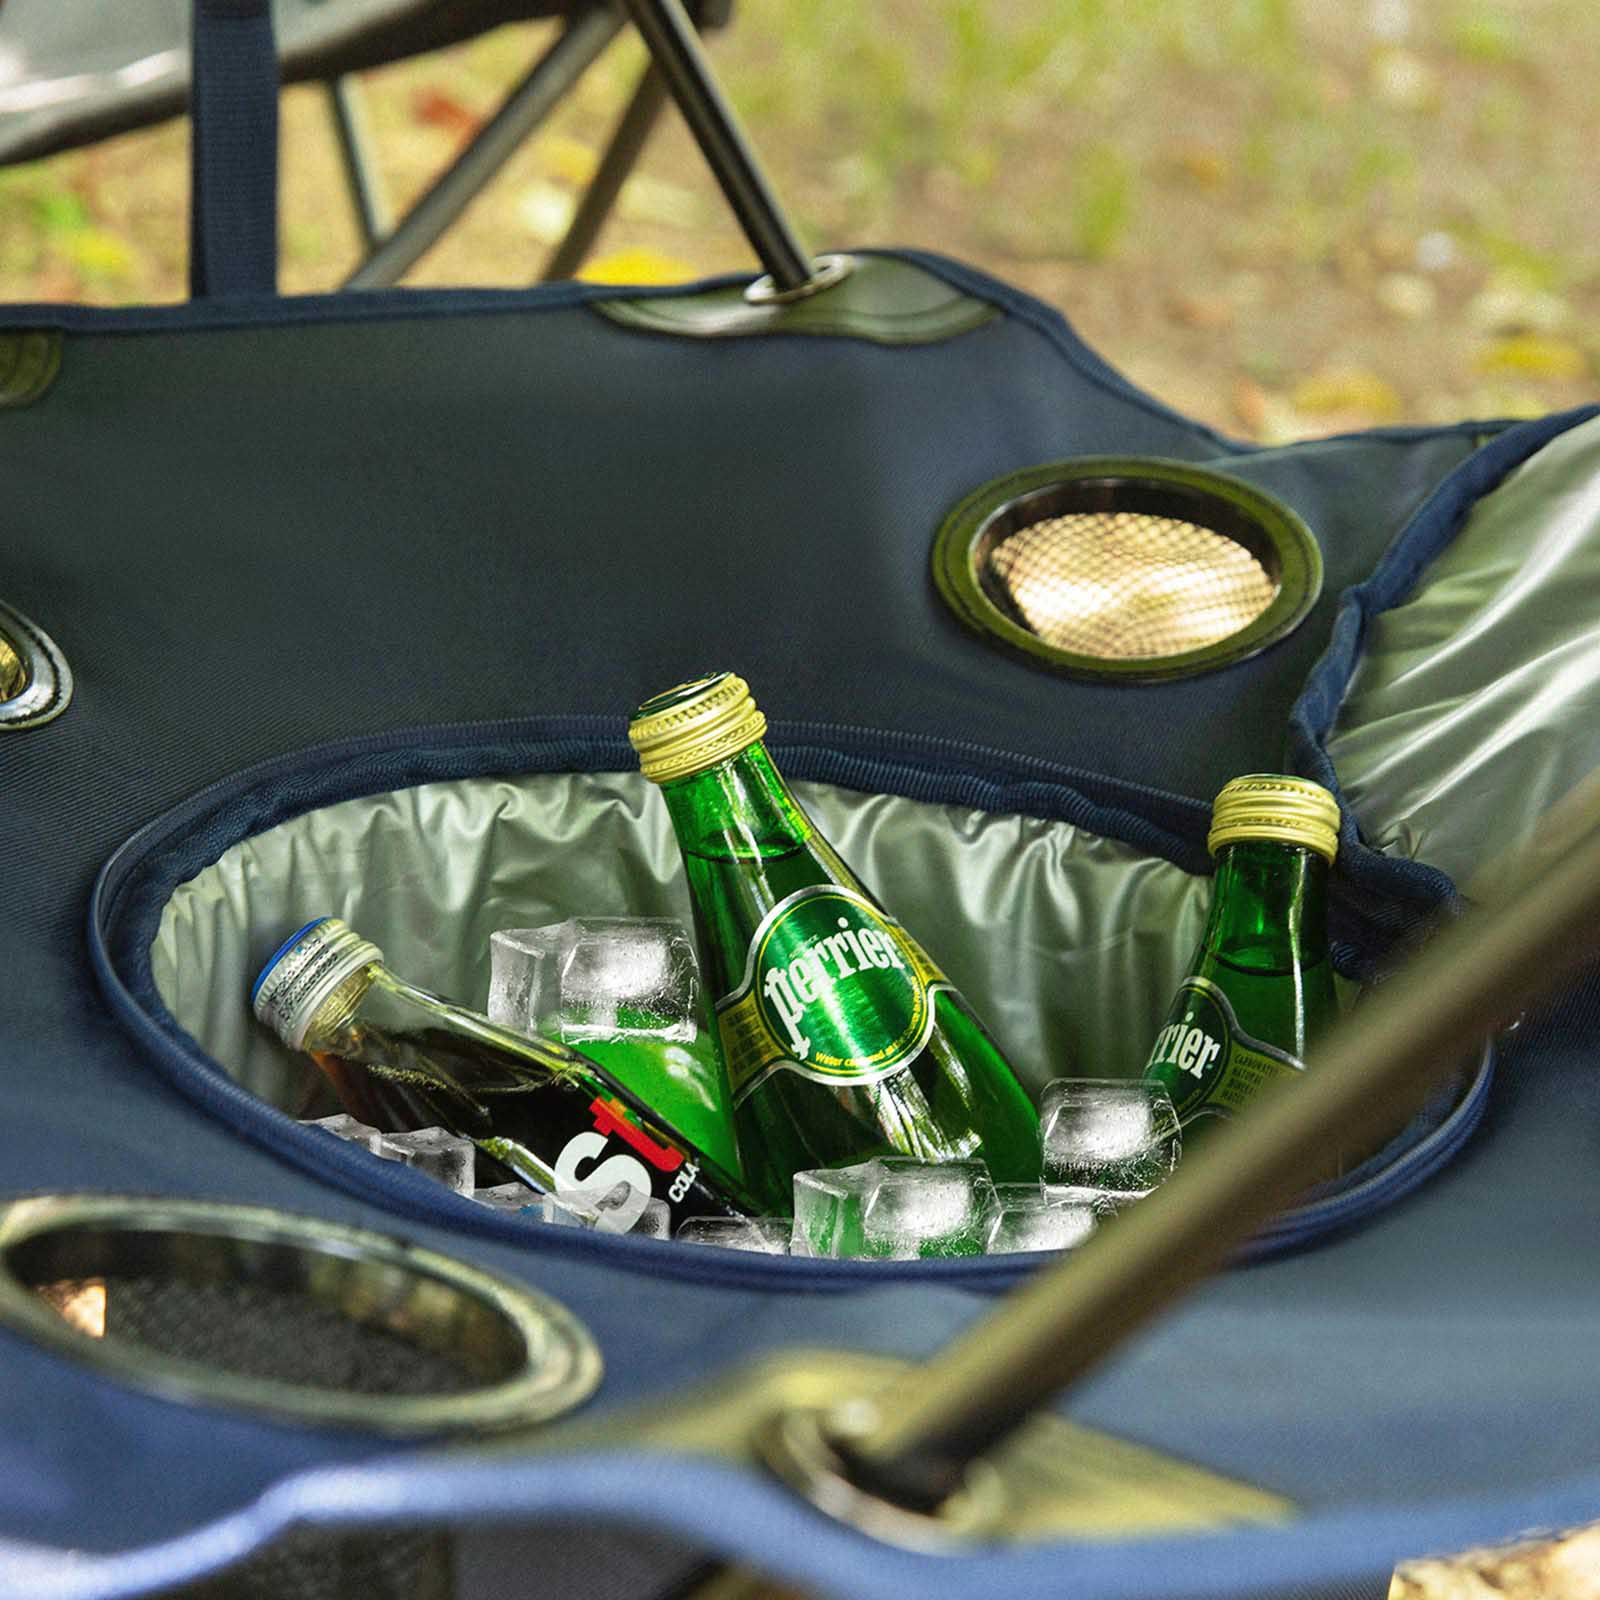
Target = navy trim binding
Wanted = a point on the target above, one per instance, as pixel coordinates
(233, 168)
(1428, 533)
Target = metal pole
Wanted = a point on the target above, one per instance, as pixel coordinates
(374, 214)
(916, 1439)
(581, 42)
(676, 50)
(621, 155)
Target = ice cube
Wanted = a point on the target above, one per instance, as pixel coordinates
(513, 1198)
(1119, 1135)
(655, 1221)
(1103, 1202)
(767, 1235)
(344, 1126)
(922, 1209)
(519, 962)
(828, 1206)
(560, 1216)
(445, 1157)
(1029, 1217)
(596, 978)
(894, 1208)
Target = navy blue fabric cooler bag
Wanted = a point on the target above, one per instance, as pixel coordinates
(353, 589)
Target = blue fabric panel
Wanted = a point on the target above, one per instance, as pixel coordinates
(556, 427)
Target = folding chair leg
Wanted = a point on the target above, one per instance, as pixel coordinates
(374, 214)
(675, 48)
(580, 44)
(621, 156)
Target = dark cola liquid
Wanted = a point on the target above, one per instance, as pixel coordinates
(576, 1134)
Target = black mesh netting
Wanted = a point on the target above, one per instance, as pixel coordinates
(1122, 585)
(311, 1564)
(258, 1332)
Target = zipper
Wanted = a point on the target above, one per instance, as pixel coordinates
(1342, 1207)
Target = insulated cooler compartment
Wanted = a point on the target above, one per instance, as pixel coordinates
(1070, 942)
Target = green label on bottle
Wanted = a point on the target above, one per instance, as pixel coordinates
(1210, 1065)
(832, 989)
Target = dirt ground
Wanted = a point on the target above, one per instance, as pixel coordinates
(1286, 219)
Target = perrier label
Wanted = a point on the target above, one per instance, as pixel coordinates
(1261, 984)
(843, 1039)
(832, 989)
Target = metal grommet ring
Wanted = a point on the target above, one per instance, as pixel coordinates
(799, 1447)
(35, 680)
(293, 1317)
(825, 272)
(1127, 569)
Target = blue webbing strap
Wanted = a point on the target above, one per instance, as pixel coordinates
(233, 207)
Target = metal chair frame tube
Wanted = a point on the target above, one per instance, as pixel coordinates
(578, 47)
(675, 48)
(374, 213)
(621, 155)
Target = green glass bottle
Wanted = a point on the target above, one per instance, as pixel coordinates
(1260, 985)
(401, 1057)
(842, 1039)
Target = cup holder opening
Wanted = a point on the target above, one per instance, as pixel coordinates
(1134, 570)
(255, 1308)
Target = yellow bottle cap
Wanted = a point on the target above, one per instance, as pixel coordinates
(694, 726)
(1269, 805)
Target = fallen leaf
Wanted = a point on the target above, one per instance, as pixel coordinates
(648, 199)
(1206, 167)
(636, 266)
(1407, 296)
(1268, 417)
(1203, 310)
(1563, 1567)
(1437, 251)
(1250, 403)
(569, 159)
(1402, 79)
(1509, 306)
(56, 282)
(1533, 355)
(1353, 391)
(438, 108)
(99, 254)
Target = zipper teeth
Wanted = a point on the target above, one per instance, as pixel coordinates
(542, 729)
(1287, 1230)
(1429, 1153)
(108, 887)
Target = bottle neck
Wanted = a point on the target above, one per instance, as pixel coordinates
(738, 810)
(1269, 907)
(373, 1006)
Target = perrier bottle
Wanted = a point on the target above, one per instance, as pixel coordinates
(1261, 984)
(401, 1058)
(842, 1038)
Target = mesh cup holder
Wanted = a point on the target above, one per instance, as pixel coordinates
(1126, 568)
(304, 1320)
